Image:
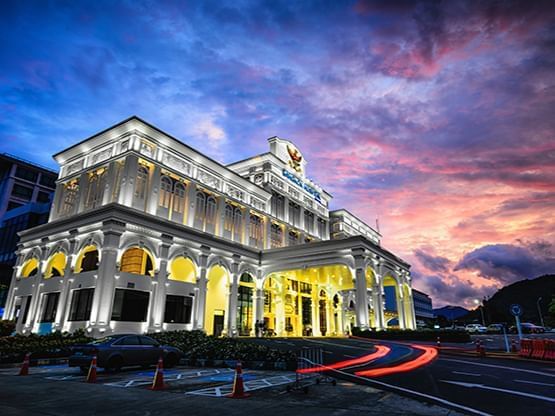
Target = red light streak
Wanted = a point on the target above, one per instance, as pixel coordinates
(430, 353)
(381, 351)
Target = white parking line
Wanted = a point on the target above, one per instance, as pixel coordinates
(535, 382)
(498, 366)
(466, 374)
(248, 386)
(144, 380)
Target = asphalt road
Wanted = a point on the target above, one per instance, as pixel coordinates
(471, 385)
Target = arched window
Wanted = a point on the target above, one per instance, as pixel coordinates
(276, 236)
(183, 269)
(70, 196)
(293, 238)
(30, 268)
(55, 265)
(237, 220)
(87, 260)
(200, 208)
(228, 221)
(165, 192)
(95, 191)
(137, 260)
(255, 230)
(210, 210)
(141, 182)
(179, 197)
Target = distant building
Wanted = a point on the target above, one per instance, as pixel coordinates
(422, 305)
(26, 191)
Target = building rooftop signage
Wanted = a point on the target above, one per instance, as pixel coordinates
(299, 182)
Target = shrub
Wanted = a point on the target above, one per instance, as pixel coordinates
(13, 348)
(198, 345)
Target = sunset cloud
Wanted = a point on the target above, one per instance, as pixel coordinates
(435, 117)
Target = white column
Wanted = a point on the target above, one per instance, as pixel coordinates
(220, 217)
(57, 201)
(267, 232)
(104, 291)
(159, 288)
(128, 180)
(233, 293)
(400, 308)
(361, 300)
(8, 310)
(154, 188)
(191, 203)
(110, 183)
(315, 310)
(83, 189)
(200, 298)
(34, 311)
(246, 225)
(66, 280)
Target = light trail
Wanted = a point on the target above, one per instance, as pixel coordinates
(381, 351)
(430, 353)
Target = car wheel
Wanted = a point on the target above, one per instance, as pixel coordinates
(114, 364)
(170, 361)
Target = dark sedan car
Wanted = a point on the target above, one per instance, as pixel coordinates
(116, 351)
(528, 328)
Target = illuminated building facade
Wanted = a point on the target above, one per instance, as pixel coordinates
(147, 234)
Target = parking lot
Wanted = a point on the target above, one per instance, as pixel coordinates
(59, 390)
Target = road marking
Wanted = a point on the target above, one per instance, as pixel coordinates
(535, 382)
(466, 374)
(498, 366)
(225, 390)
(417, 393)
(514, 392)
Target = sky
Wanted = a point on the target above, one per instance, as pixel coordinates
(437, 117)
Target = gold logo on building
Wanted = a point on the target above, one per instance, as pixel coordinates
(296, 158)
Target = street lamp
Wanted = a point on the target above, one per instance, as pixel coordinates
(540, 310)
(481, 307)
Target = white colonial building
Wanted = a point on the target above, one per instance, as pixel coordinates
(147, 234)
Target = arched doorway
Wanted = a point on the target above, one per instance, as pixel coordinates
(392, 306)
(308, 301)
(216, 300)
(245, 311)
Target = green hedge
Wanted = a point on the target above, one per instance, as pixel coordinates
(418, 335)
(54, 345)
(194, 344)
(198, 345)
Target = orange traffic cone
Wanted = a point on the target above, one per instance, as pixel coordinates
(238, 388)
(24, 370)
(158, 380)
(91, 376)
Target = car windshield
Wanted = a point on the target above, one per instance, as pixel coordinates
(105, 340)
